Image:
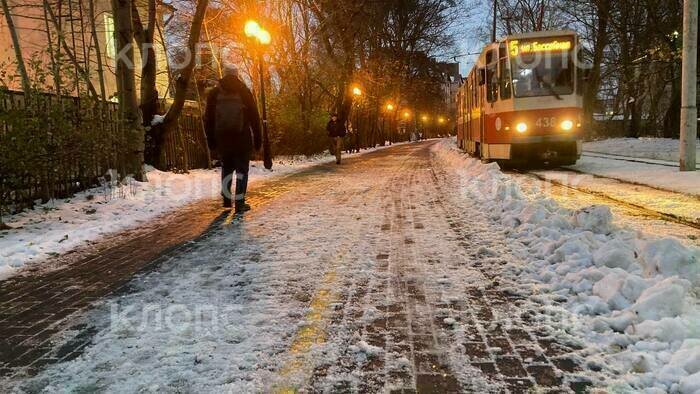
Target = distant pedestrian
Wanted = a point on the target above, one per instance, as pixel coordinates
(232, 124)
(336, 132)
(349, 137)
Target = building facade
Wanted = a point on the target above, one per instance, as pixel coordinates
(87, 28)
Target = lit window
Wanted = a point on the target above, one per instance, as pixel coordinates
(109, 36)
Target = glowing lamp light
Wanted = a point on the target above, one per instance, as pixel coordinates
(252, 28)
(521, 127)
(567, 125)
(357, 91)
(441, 120)
(389, 107)
(424, 118)
(406, 114)
(264, 37)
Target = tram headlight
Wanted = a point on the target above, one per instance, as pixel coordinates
(521, 127)
(567, 125)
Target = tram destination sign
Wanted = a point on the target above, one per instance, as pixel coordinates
(518, 47)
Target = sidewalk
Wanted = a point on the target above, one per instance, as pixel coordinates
(40, 308)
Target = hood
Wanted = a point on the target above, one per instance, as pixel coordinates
(230, 83)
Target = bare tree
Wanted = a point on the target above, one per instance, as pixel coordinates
(18, 50)
(126, 83)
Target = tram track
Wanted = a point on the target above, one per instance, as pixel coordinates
(640, 209)
(612, 156)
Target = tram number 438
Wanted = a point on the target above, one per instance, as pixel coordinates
(546, 122)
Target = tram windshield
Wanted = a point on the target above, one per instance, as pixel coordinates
(542, 68)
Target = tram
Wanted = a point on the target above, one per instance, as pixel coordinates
(522, 102)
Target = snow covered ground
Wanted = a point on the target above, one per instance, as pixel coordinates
(221, 318)
(575, 191)
(610, 158)
(63, 225)
(665, 149)
(679, 205)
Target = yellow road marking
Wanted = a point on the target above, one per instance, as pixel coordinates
(230, 218)
(313, 333)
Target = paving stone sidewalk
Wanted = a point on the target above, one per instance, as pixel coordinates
(41, 306)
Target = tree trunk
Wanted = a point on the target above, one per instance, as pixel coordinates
(160, 132)
(98, 51)
(26, 86)
(183, 80)
(144, 39)
(128, 104)
(594, 79)
(149, 104)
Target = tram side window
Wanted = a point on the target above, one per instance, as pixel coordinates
(505, 79)
(491, 84)
(491, 76)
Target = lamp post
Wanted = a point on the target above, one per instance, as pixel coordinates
(253, 30)
(406, 116)
(389, 109)
(357, 93)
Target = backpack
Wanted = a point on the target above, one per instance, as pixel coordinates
(230, 114)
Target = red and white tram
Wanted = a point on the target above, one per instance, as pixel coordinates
(522, 101)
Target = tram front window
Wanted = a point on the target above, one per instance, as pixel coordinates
(537, 74)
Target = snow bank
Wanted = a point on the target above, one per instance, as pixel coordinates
(63, 225)
(633, 295)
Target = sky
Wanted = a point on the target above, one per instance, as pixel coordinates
(472, 34)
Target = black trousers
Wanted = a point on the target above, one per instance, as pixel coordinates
(240, 166)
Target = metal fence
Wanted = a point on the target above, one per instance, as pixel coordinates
(186, 147)
(53, 146)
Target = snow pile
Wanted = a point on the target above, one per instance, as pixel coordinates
(633, 297)
(157, 120)
(63, 225)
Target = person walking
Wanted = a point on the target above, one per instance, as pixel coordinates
(336, 132)
(232, 124)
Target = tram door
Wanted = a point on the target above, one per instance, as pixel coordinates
(482, 117)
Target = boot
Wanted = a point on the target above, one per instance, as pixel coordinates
(241, 206)
(227, 202)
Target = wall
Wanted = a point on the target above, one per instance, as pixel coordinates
(28, 17)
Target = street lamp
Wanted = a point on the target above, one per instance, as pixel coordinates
(356, 91)
(389, 108)
(253, 30)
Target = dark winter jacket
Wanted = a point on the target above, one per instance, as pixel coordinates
(335, 128)
(230, 143)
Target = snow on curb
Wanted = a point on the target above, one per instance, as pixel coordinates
(63, 225)
(632, 297)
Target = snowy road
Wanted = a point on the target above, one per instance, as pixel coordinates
(413, 268)
(369, 277)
